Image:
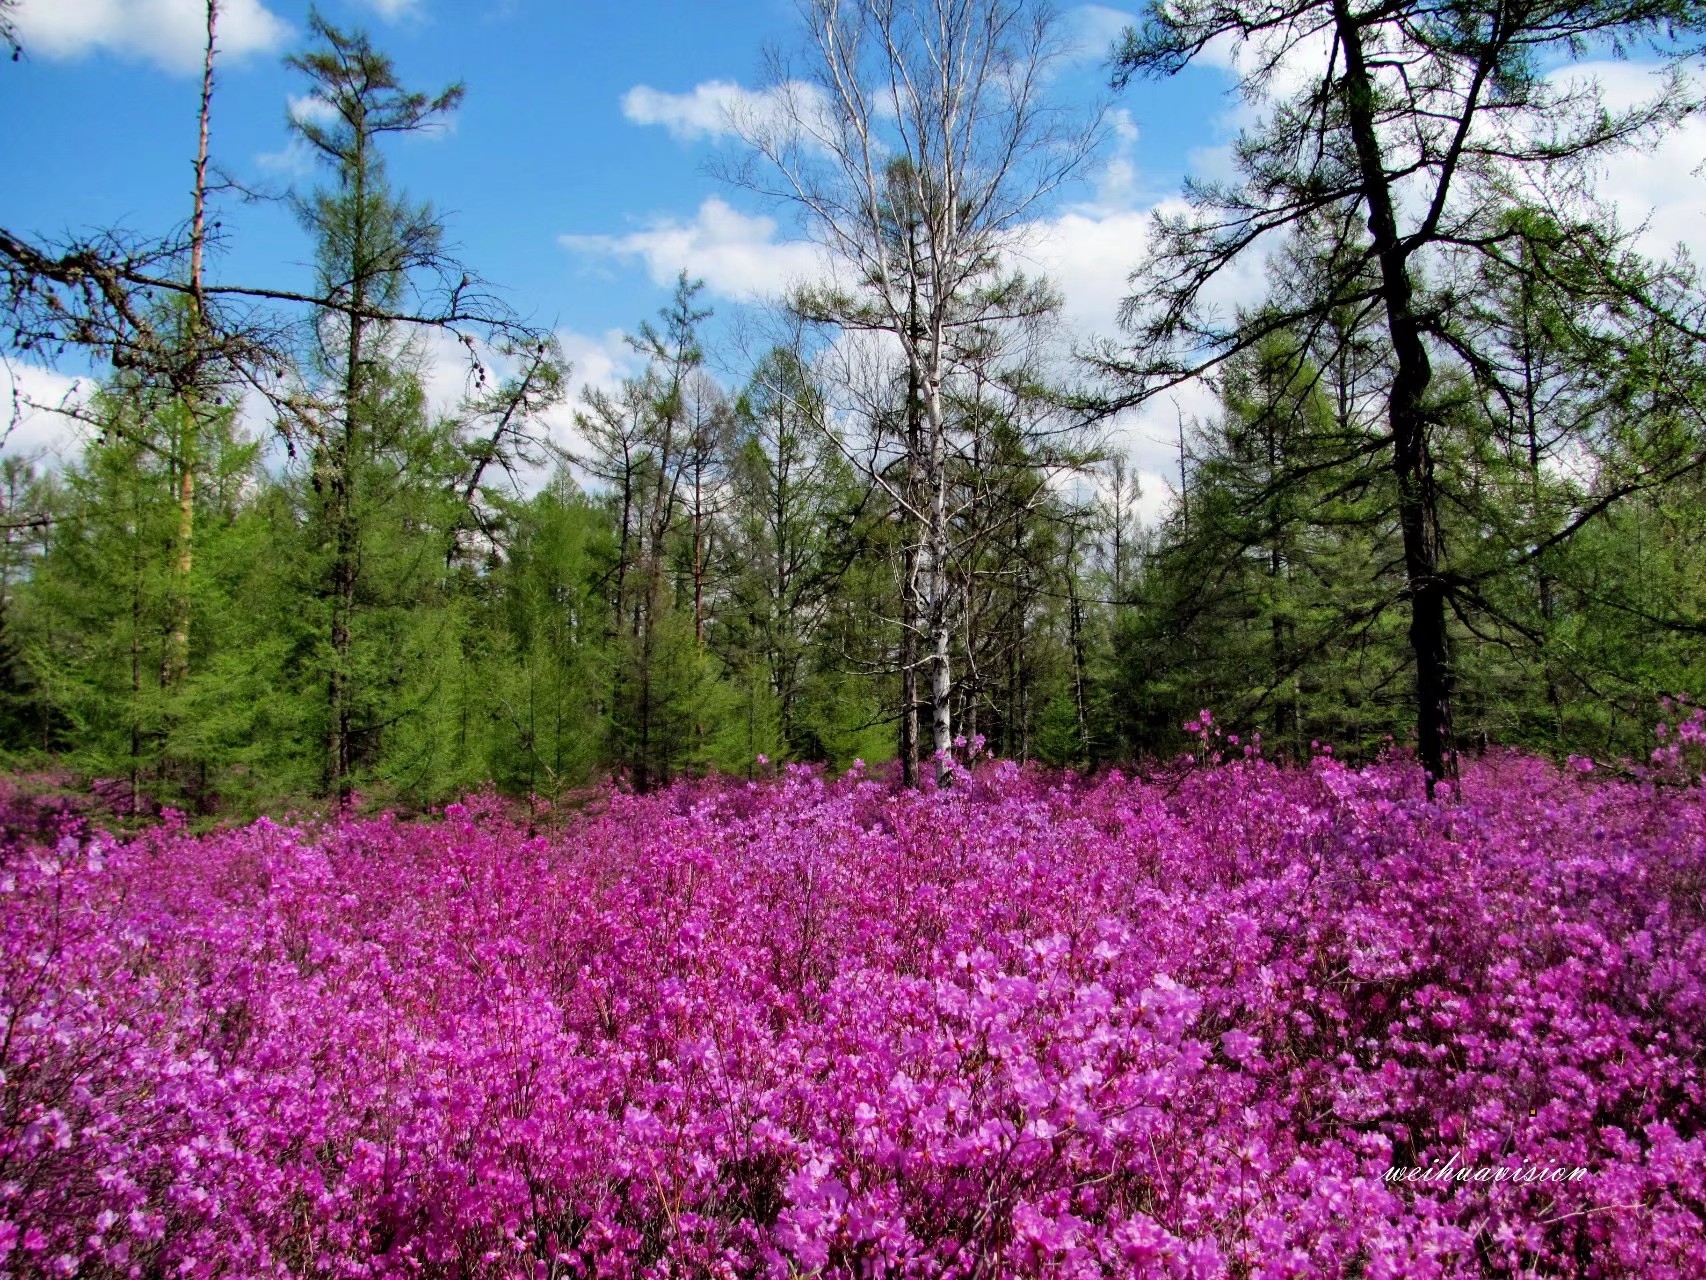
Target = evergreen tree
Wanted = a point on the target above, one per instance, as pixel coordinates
(100, 612)
(545, 677)
(1402, 148)
(378, 470)
(25, 521)
(795, 504)
(655, 446)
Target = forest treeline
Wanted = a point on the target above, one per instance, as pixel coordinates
(1453, 485)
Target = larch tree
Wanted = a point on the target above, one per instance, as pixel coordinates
(1406, 130)
(166, 349)
(654, 445)
(372, 241)
(794, 497)
(176, 663)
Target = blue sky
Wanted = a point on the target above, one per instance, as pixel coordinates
(549, 143)
(575, 175)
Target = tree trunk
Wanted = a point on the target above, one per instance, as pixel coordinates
(340, 752)
(940, 620)
(1531, 429)
(936, 562)
(1407, 414)
(175, 668)
(698, 553)
(135, 676)
(941, 688)
(1075, 624)
(643, 760)
(1276, 567)
(909, 665)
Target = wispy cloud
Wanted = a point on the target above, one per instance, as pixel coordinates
(394, 10)
(296, 158)
(1094, 29)
(738, 255)
(712, 109)
(30, 421)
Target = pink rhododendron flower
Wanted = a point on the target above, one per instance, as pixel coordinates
(1026, 1024)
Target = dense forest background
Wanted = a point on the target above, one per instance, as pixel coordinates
(814, 547)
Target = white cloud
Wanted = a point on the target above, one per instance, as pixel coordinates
(1088, 257)
(1662, 187)
(712, 109)
(1290, 69)
(392, 10)
(53, 439)
(169, 33)
(736, 254)
(310, 108)
(702, 113)
(292, 160)
(601, 361)
(1117, 184)
(1095, 28)
(1151, 435)
(1087, 253)
(33, 393)
(597, 361)
(1655, 184)
(446, 370)
(1659, 184)
(296, 158)
(1090, 252)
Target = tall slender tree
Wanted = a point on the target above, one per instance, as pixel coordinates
(658, 447)
(915, 141)
(372, 240)
(176, 663)
(793, 500)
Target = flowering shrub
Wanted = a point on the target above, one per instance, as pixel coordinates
(1028, 1025)
(1681, 753)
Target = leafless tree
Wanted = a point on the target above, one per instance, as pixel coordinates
(917, 141)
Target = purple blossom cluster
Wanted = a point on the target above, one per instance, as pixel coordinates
(1027, 1025)
(1681, 753)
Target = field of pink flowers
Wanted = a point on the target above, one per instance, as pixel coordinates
(1027, 1025)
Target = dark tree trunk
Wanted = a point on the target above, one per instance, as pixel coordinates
(1412, 464)
(909, 618)
(908, 671)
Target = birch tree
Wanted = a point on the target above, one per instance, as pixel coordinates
(916, 139)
